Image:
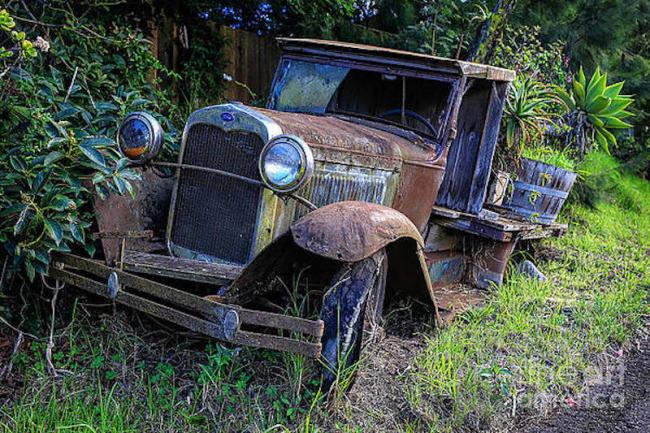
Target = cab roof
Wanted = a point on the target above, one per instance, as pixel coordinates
(388, 56)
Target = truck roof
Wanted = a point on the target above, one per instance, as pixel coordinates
(389, 56)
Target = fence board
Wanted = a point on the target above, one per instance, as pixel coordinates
(251, 61)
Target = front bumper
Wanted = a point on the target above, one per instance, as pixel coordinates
(226, 322)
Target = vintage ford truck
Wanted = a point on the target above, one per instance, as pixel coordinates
(365, 176)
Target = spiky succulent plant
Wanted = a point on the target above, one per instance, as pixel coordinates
(596, 111)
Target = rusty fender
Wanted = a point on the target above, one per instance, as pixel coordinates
(348, 232)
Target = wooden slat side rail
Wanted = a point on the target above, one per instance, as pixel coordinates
(184, 269)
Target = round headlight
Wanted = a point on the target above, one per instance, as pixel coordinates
(140, 137)
(286, 163)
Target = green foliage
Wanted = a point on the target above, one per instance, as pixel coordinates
(550, 156)
(57, 139)
(528, 108)
(597, 110)
(15, 47)
(522, 50)
(604, 180)
(609, 33)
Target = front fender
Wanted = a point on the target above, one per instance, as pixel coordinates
(347, 232)
(350, 231)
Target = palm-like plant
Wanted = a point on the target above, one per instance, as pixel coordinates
(596, 111)
(527, 109)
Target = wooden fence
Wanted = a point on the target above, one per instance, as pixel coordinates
(250, 59)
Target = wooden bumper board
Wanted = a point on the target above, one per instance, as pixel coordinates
(179, 268)
(220, 321)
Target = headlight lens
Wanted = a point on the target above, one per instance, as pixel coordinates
(286, 163)
(140, 137)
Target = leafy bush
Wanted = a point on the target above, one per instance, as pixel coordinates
(60, 113)
(522, 50)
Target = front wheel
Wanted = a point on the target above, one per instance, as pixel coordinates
(355, 294)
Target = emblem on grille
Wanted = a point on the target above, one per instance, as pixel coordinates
(227, 117)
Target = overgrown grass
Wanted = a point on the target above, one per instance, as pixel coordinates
(530, 344)
(529, 347)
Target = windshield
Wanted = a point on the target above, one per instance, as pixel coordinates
(417, 104)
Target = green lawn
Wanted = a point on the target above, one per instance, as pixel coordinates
(530, 344)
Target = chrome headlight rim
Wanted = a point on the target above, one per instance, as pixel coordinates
(306, 163)
(156, 135)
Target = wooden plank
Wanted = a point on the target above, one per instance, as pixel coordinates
(486, 149)
(554, 230)
(212, 329)
(476, 228)
(175, 267)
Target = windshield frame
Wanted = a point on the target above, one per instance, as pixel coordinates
(397, 69)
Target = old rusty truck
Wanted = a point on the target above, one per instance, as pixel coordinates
(364, 177)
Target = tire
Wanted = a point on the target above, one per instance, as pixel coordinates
(355, 295)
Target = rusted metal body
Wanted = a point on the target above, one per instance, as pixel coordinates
(203, 247)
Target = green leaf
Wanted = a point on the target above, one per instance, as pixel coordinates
(566, 98)
(17, 163)
(61, 203)
(598, 104)
(594, 79)
(22, 221)
(617, 106)
(601, 140)
(77, 232)
(29, 270)
(40, 180)
(579, 92)
(611, 139)
(615, 123)
(54, 230)
(93, 154)
(55, 141)
(98, 141)
(65, 113)
(596, 89)
(613, 90)
(90, 249)
(53, 157)
(581, 77)
(595, 120)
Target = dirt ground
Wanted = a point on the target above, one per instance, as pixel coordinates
(620, 404)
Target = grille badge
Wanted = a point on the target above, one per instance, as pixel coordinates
(227, 117)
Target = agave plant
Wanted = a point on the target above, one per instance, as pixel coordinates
(527, 109)
(596, 111)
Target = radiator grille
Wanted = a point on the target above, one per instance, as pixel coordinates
(215, 214)
(333, 183)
